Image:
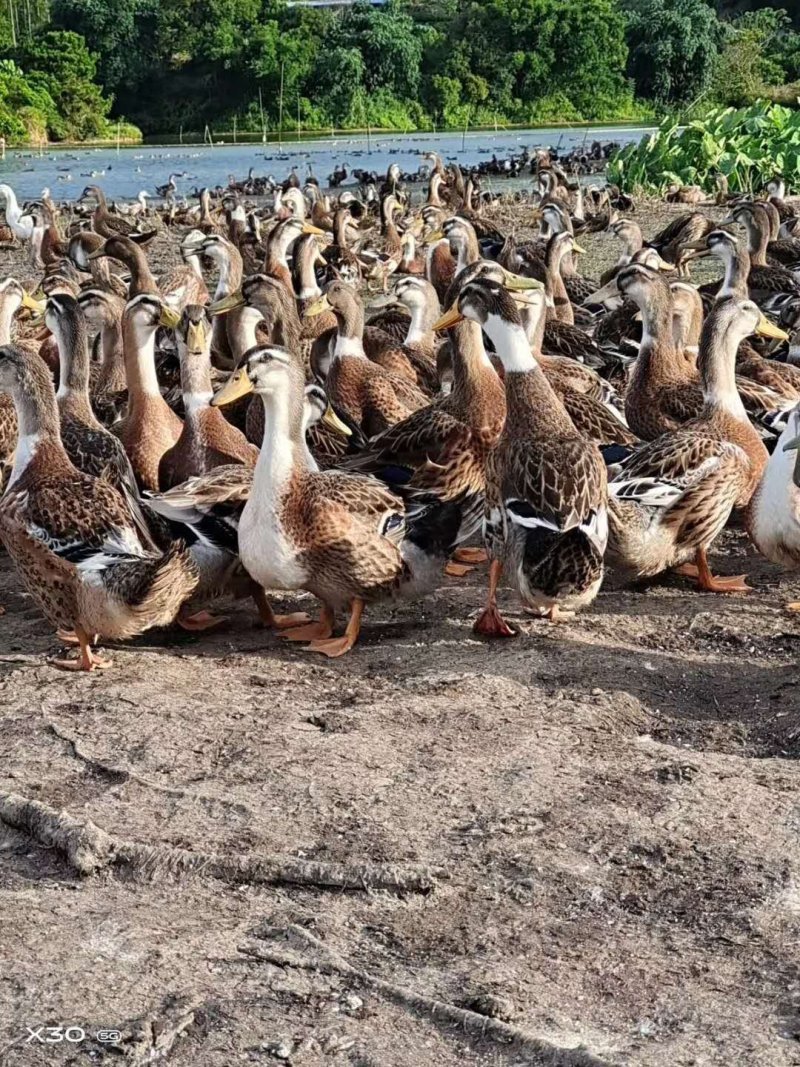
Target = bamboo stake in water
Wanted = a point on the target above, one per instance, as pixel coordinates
(464, 137)
(234, 129)
(298, 117)
(280, 112)
(263, 123)
(118, 136)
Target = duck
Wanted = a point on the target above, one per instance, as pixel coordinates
(91, 448)
(545, 519)
(109, 225)
(670, 499)
(23, 224)
(767, 275)
(103, 311)
(207, 439)
(370, 391)
(12, 297)
(774, 514)
(344, 537)
(443, 448)
(149, 427)
(71, 536)
(770, 287)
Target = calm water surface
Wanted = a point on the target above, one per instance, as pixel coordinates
(123, 173)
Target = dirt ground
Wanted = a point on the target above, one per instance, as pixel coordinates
(612, 804)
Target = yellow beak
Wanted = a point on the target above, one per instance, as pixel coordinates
(516, 283)
(168, 317)
(196, 338)
(578, 248)
(310, 228)
(765, 328)
(450, 318)
(237, 385)
(331, 419)
(227, 303)
(319, 307)
(437, 235)
(29, 302)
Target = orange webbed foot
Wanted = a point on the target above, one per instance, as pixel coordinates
(201, 620)
(735, 584)
(470, 555)
(332, 648)
(490, 623)
(315, 631)
(457, 570)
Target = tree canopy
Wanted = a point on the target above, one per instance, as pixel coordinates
(406, 64)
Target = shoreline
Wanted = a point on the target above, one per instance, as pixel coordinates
(289, 137)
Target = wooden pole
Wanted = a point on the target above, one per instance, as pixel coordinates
(298, 116)
(369, 139)
(118, 136)
(280, 111)
(181, 133)
(234, 129)
(466, 127)
(11, 22)
(263, 123)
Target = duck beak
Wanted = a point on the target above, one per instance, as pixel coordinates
(332, 420)
(31, 303)
(608, 292)
(765, 328)
(98, 253)
(319, 307)
(227, 303)
(578, 248)
(196, 338)
(309, 228)
(168, 317)
(696, 250)
(449, 319)
(237, 385)
(516, 283)
(664, 266)
(791, 445)
(432, 238)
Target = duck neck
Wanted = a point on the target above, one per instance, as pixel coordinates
(139, 343)
(757, 241)
(230, 272)
(717, 365)
(8, 309)
(533, 409)
(37, 425)
(283, 449)
(195, 382)
(350, 333)
(73, 361)
(142, 280)
(113, 357)
(305, 279)
(419, 328)
(471, 364)
(657, 353)
(737, 270)
(556, 290)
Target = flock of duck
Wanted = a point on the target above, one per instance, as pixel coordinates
(333, 396)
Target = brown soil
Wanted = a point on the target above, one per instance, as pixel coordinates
(614, 801)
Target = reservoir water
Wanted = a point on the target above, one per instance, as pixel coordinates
(123, 173)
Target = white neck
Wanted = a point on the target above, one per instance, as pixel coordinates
(249, 319)
(416, 329)
(194, 402)
(7, 312)
(277, 457)
(224, 280)
(145, 358)
(12, 207)
(349, 346)
(27, 443)
(511, 345)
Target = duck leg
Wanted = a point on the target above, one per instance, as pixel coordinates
(315, 631)
(87, 660)
(276, 622)
(457, 570)
(707, 582)
(337, 646)
(490, 623)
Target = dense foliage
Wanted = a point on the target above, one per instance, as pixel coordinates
(747, 145)
(407, 64)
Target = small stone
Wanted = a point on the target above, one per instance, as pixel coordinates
(351, 1003)
(494, 1007)
(281, 1050)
